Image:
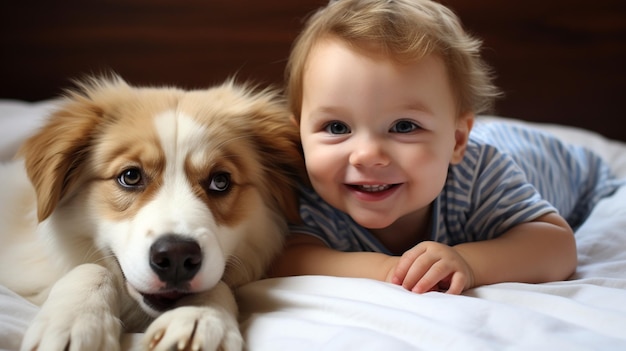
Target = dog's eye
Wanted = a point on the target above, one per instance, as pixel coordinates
(130, 178)
(219, 182)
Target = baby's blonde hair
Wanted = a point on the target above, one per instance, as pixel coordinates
(404, 30)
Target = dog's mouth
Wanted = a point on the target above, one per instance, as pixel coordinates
(163, 301)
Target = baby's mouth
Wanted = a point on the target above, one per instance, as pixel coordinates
(368, 188)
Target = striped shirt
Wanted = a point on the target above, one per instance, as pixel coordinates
(510, 174)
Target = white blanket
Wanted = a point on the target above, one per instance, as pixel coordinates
(587, 312)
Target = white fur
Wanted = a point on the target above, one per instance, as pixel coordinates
(88, 272)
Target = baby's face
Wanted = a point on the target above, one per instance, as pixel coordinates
(378, 136)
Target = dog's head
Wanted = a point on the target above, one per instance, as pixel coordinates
(182, 188)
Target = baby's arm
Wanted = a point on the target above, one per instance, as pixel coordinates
(307, 255)
(534, 252)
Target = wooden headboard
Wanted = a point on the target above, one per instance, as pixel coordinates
(560, 61)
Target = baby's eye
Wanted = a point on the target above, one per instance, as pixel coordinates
(337, 128)
(404, 127)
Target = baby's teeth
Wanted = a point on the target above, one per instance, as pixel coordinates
(374, 188)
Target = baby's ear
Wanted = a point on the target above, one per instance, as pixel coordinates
(461, 136)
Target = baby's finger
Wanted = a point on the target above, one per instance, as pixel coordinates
(431, 278)
(406, 262)
(457, 284)
(416, 272)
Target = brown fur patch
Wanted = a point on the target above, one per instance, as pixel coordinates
(107, 127)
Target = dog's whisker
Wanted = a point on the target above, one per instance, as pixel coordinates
(92, 253)
(102, 258)
(235, 263)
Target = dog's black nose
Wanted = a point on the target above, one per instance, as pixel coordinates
(175, 259)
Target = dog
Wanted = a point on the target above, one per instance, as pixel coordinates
(141, 209)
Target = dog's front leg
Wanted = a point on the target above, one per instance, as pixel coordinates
(81, 313)
(207, 322)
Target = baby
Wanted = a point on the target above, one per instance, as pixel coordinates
(406, 187)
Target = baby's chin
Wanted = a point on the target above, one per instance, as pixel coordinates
(392, 222)
(372, 221)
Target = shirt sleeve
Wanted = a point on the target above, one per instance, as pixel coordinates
(501, 197)
(484, 197)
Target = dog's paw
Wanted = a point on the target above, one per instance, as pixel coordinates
(194, 328)
(79, 314)
(72, 330)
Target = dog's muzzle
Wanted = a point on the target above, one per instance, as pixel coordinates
(175, 260)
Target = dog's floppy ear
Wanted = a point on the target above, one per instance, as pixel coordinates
(283, 159)
(54, 155)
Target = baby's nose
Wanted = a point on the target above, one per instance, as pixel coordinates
(369, 153)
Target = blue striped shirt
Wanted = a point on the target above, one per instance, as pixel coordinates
(510, 174)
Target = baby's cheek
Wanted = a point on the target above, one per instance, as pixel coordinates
(318, 165)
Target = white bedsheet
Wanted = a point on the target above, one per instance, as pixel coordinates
(587, 312)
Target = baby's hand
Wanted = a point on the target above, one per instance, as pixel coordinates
(433, 266)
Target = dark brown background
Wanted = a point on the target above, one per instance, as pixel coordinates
(560, 61)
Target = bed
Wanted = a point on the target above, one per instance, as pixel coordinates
(560, 65)
(586, 312)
